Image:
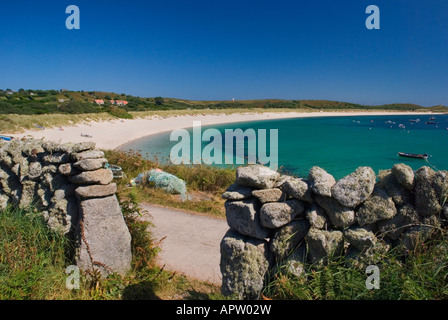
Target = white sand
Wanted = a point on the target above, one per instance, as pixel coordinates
(112, 134)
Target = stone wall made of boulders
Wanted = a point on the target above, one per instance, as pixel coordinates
(279, 220)
(69, 186)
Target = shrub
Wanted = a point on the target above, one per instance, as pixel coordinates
(119, 112)
(32, 257)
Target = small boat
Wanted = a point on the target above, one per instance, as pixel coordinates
(402, 126)
(6, 138)
(432, 120)
(413, 155)
(414, 120)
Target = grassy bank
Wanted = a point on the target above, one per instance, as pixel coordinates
(205, 184)
(33, 260)
(422, 275)
(15, 123)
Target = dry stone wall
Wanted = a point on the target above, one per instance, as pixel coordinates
(283, 221)
(68, 185)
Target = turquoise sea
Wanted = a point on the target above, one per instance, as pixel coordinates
(337, 144)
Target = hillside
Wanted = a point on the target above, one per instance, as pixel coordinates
(31, 102)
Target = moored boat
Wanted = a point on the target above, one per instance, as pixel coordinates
(413, 155)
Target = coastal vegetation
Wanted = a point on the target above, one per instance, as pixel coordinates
(422, 275)
(33, 258)
(33, 262)
(24, 108)
(205, 183)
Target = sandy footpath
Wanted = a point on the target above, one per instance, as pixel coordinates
(192, 243)
(112, 134)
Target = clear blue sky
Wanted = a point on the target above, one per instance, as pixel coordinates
(224, 49)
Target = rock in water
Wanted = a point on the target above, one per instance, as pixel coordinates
(244, 264)
(355, 188)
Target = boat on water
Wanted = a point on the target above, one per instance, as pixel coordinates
(413, 155)
(432, 120)
(6, 138)
(414, 120)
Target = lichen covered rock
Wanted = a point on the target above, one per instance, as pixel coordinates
(379, 206)
(299, 189)
(287, 238)
(321, 181)
(355, 188)
(244, 217)
(244, 265)
(277, 214)
(256, 176)
(323, 244)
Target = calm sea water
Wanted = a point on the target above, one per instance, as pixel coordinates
(337, 144)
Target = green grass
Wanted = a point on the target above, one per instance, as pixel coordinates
(205, 184)
(33, 260)
(31, 257)
(422, 275)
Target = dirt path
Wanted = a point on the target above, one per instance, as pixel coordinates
(192, 243)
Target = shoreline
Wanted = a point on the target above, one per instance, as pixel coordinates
(114, 134)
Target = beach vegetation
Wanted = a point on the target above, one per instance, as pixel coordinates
(29, 102)
(205, 183)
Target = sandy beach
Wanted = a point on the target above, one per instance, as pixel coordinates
(112, 134)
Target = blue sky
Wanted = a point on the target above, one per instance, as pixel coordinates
(224, 49)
